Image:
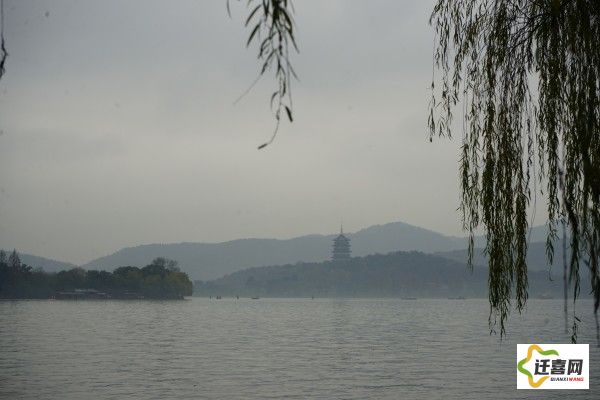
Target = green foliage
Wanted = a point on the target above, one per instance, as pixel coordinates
(272, 29)
(14, 275)
(526, 74)
(160, 279)
(71, 279)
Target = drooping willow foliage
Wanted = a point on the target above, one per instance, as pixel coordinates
(525, 76)
(3, 52)
(271, 27)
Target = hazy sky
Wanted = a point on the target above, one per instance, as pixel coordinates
(118, 126)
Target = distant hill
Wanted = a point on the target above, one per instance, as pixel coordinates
(206, 261)
(46, 264)
(400, 274)
(213, 260)
(536, 257)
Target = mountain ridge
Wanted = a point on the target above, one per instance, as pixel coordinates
(208, 261)
(398, 274)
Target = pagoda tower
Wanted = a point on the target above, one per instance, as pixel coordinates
(341, 247)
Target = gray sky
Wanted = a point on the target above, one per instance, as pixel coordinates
(118, 126)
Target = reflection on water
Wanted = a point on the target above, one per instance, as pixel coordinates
(272, 348)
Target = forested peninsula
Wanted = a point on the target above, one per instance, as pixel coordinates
(161, 279)
(398, 274)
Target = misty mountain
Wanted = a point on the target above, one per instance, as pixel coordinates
(46, 264)
(400, 274)
(213, 260)
(207, 261)
(536, 257)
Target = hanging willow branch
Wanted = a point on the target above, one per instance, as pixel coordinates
(3, 52)
(272, 29)
(527, 75)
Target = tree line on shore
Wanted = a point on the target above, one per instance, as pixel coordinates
(161, 279)
(397, 274)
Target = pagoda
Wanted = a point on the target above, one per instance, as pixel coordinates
(341, 247)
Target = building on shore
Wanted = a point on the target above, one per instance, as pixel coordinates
(341, 247)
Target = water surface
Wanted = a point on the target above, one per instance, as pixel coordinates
(273, 348)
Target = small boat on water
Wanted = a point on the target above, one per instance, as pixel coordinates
(409, 298)
(255, 298)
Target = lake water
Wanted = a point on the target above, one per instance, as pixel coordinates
(273, 348)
